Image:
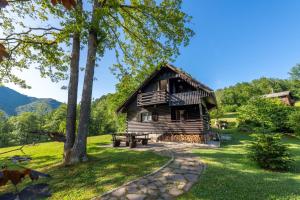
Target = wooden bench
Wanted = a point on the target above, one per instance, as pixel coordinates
(130, 139)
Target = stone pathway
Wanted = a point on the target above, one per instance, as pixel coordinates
(172, 180)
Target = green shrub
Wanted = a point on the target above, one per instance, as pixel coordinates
(230, 108)
(294, 121)
(232, 124)
(267, 115)
(269, 153)
(216, 113)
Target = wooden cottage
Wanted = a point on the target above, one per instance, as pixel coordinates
(170, 105)
(286, 97)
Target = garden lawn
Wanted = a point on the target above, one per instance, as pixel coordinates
(231, 175)
(106, 169)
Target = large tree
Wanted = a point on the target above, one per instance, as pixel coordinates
(142, 33)
(43, 45)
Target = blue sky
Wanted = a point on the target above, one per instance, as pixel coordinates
(235, 41)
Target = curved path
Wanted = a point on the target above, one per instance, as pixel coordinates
(170, 181)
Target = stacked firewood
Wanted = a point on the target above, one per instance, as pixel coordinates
(190, 138)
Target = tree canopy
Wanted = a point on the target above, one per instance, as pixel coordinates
(239, 94)
(295, 72)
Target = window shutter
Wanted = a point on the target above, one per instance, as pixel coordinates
(139, 117)
(154, 116)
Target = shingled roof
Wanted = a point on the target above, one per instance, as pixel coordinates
(183, 75)
(278, 94)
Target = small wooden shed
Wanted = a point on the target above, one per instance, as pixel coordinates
(285, 96)
(171, 106)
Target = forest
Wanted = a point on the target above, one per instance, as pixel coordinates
(232, 97)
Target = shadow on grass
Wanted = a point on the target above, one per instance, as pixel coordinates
(224, 183)
(106, 169)
(232, 175)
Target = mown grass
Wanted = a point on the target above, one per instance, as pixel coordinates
(231, 175)
(106, 169)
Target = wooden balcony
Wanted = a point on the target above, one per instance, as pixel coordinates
(185, 98)
(152, 98)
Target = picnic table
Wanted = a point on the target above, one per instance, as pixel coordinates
(130, 139)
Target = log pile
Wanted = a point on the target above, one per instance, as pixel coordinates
(190, 138)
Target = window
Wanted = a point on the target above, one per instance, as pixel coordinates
(162, 85)
(146, 117)
(178, 115)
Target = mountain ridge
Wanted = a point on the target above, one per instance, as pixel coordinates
(14, 103)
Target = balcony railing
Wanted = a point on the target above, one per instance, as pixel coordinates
(152, 98)
(176, 99)
(185, 98)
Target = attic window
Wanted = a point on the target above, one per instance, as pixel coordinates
(146, 116)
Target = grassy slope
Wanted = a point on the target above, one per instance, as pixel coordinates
(231, 175)
(106, 169)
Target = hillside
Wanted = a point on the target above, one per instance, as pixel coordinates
(13, 102)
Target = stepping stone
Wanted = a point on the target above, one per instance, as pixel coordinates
(142, 182)
(181, 185)
(143, 190)
(167, 196)
(136, 196)
(175, 192)
(132, 189)
(162, 189)
(120, 192)
(177, 177)
(152, 186)
(191, 177)
(188, 186)
(167, 183)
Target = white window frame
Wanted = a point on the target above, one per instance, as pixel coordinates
(146, 116)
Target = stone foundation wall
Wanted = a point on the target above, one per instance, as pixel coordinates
(190, 138)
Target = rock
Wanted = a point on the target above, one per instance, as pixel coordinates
(136, 196)
(187, 186)
(181, 185)
(142, 182)
(120, 192)
(132, 189)
(175, 192)
(152, 186)
(177, 177)
(162, 189)
(191, 177)
(143, 190)
(167, 196)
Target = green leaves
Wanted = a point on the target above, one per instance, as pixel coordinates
(267, 115)
(295, 72)
(294, 121)
(144, 33)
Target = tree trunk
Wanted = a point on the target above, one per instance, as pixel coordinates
(72, 93)
(72, 98)
(78, 153)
